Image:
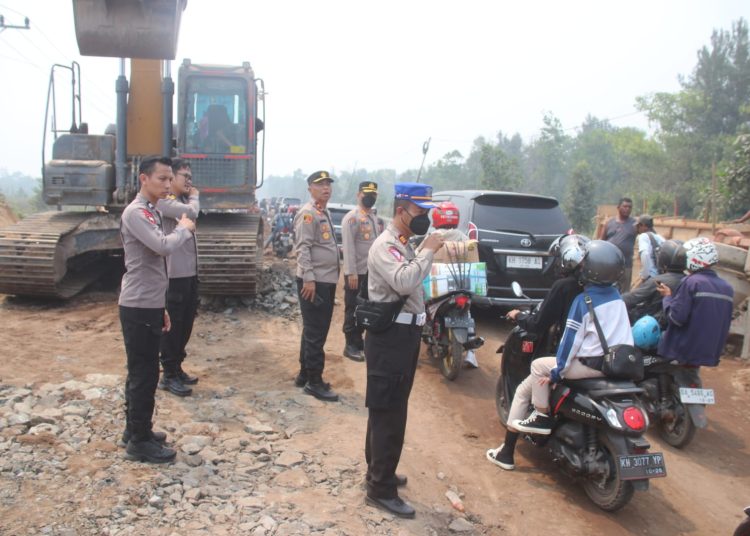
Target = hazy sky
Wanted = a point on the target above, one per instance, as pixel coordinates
(366, 83)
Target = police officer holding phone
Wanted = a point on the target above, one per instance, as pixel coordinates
(317, 276)
(395, 273)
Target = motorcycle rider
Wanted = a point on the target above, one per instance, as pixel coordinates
(284, 218)
(568, 252)
(580, 352)
(646, 299)
(699, 312)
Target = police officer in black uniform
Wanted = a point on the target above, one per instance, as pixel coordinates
(395, 272)
(142, 299)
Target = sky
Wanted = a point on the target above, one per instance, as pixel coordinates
(353, 85)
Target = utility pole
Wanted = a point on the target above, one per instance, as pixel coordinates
(4, 26)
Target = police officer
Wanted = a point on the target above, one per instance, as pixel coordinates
(142, 297)
(395, 272)
(359, 228)
(317, 276)
(182, 266)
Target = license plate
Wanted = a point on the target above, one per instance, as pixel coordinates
(639, 466)
(524, 263)
(460, 322)
(689, 395)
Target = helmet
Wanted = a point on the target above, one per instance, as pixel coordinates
(445, 215)
(646, 332)
(671, 257)
(700, 253)
(603, 263)
(569, 251)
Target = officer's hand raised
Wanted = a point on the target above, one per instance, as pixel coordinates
(187, 223)
(433, 242)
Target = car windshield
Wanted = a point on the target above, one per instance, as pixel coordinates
(337, 216)
(519, 214)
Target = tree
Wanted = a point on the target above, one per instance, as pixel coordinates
(579, 201)
(736, 179)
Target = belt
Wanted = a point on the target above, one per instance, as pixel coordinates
(410, 319)
(592, 362)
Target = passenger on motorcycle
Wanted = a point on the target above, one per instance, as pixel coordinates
(567, 252)
(603, 265)
(699, 312)
(646, 299)
(283, 219)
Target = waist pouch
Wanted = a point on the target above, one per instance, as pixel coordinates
(376, 316)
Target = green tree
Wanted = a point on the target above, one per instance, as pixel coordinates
(735, 181)
(579, 201)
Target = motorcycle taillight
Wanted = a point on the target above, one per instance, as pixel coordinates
(527, 347)
(473, 232)
(462, 301)
(634, 418)
(285, 230)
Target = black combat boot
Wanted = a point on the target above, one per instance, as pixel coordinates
(172, 383)
(321, 390)
(149, 451)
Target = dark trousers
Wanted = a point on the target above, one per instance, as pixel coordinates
(182, 306)
(352, 331)
(141, 332)
(316, 321)
(391, 364)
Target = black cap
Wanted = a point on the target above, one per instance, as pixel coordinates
(368, 187)
(319, 176)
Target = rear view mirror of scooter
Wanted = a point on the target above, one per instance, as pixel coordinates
(518, 291)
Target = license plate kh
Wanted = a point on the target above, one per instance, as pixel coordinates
(689, 395)
(524, 262)
(639, 466)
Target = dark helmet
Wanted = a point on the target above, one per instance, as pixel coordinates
(671, 257)
(603, 264)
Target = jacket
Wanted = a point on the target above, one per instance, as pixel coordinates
(553, 311)
(698, 317)
(646, 300)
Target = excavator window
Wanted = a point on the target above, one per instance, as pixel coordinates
(216, 115)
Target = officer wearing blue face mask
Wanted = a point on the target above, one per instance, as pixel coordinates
(395, 277)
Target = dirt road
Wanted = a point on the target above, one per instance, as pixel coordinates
(246, 361)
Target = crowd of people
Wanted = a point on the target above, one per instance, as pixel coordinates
(385, 307)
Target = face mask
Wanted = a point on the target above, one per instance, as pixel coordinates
(419, 224)
(368, 201)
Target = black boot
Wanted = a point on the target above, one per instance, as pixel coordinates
(353, 352)
(149, 451)
(321, 390)
(173, 384)
(186, 378)
(395, 506)
(301, 379)
(159, 437)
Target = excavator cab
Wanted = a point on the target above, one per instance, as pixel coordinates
(145, 29)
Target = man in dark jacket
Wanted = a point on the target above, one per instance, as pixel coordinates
(699, 312)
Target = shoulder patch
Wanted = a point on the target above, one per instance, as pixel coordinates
(396, 253)
(150, 217)
(353, 221)
(307, 218)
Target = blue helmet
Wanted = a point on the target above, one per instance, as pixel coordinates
(646, 333)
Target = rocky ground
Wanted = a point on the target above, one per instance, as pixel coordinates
(256, 456)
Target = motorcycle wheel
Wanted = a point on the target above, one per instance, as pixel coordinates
(680, 431)
(501, 404)
(452, 359)
(613, 493)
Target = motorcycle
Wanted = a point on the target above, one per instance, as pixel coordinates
(283, 243)
(449, 331)
(675, 399)
(597, 434)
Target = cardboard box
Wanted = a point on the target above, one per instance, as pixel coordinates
(463, 251)
(447, 277)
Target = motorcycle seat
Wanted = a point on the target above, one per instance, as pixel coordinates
(601, 387)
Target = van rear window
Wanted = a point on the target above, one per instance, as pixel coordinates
(535, 215)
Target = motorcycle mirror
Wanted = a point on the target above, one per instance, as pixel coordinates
(517, 290)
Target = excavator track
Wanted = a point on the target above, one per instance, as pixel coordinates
(55, 254)
(229, 253)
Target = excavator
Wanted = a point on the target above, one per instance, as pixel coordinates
(91, 178)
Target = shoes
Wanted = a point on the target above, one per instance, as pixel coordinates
(186, 378)
(159, 437)
(401, 481)
(536, 423)
(174, 386)
(395, 506)
(301, 379)
(321, 390)
(353, 353)
(501, 460)
(149, 451)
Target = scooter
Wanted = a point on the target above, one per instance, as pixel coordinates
(449, 331)
(675, 399)
(283, 243)
(597, 435)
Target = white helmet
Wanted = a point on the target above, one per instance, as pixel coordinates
(700, 253)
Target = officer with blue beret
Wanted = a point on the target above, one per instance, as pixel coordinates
(395, 273)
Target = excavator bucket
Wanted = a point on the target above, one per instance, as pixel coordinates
(128, 28)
